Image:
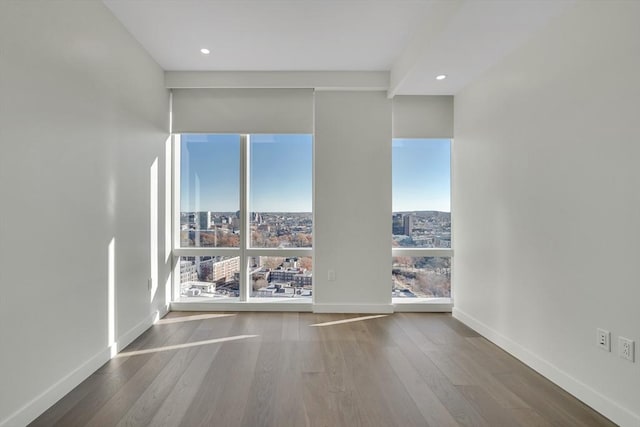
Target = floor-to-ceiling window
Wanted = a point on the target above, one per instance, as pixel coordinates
(421, 221)
(243, 222)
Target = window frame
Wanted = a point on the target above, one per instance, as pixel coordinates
(428, 252)
(244, 251)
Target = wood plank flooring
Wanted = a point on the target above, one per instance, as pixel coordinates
(304, 369)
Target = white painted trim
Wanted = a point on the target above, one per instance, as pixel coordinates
(162, 312)
(57, 391)
(422, 252)
(422, 307)
(249, 252)
(319, 80)
(241, 306)
(279, 252)
(245, 226)
(206, 251)
(175, 189)
(586, 394)
(353, 308)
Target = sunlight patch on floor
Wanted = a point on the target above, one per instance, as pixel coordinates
(168, 320)
(185, 345)
(355, 319)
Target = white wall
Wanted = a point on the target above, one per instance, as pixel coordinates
(83, 116)
(352, 210)
(547, 203)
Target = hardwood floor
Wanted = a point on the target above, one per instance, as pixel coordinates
(304, 369)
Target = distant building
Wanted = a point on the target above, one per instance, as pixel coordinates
(220, 270)
(408, 225)
(443, 242)
(224, 270)
(203, 220)
(188, 271)
(283, 275)
(398, 225)
(295, 276)
(290, 262)
(203, 287)
(303, 279)
(256, 218)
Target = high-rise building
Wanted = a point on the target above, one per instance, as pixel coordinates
(408, 225)
(256, 217)
(203, 220)
(398, 225)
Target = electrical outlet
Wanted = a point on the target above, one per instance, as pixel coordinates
(603, 339)
(149, 283)
(626, 348)
(331, 276)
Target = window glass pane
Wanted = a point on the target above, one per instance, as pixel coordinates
(280, 190)
(421, 277)
(209, 277)
(278, 277)
(210, 190)
(421, 193)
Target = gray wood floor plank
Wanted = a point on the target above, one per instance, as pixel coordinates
(119, 404)
(433, 411)
(489, 409)
(288, 406)
(498, 391)
(528, 417)
(448, 394)
(536, 401)
(222, 396)
(369, 393)
(155, 401)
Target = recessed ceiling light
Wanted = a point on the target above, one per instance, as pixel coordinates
(205, 51)
(441, 76)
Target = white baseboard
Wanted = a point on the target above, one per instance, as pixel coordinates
(133, 333)
(586, 394)
(163, 311)
(353, 308)
(430, 307)
(57, 391)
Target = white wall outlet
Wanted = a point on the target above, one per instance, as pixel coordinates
(626, 348)
(603, 339)
(331, 276)
(149, 283)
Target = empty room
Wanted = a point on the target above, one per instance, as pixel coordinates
(319, 213)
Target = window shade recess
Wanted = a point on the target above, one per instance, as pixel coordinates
(242, 111)
(423, 116)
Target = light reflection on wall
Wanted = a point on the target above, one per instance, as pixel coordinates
(167, 201)
(153, 223)
(111, 297)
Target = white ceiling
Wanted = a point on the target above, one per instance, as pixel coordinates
(413, 39)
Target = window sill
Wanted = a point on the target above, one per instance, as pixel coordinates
(426, 305)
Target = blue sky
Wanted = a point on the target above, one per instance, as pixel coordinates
(210, 173)
(421, 175)
(281, 173)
